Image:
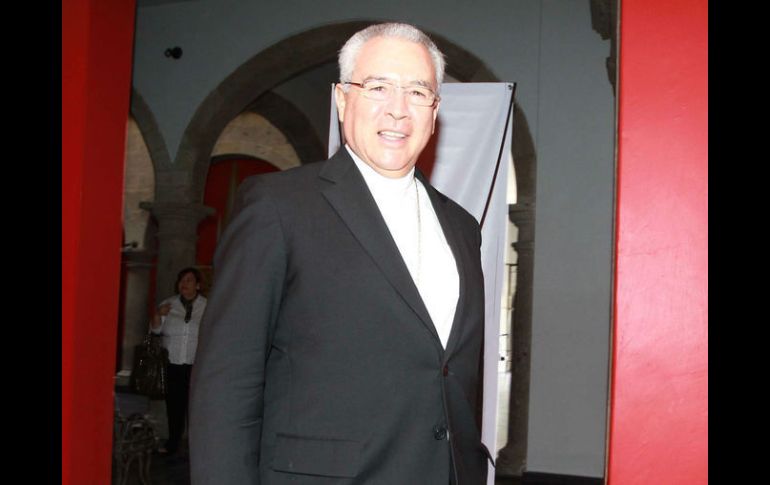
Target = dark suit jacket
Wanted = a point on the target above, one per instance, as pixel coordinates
(318, 362)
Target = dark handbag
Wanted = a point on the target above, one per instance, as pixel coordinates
(149, 373)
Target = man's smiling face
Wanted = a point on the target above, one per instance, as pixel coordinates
(388, 135)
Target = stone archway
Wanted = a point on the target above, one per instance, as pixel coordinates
(276, 64)
(148, 126)
(252, 135)
(246, 84)
(293, 123)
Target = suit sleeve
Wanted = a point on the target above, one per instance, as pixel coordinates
(226, 395)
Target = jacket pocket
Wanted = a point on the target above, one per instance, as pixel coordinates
(326, 457)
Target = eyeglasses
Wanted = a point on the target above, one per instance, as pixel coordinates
(378, 90)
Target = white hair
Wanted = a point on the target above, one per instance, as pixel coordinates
(349, 52)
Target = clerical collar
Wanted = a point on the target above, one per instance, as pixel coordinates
(379, 183)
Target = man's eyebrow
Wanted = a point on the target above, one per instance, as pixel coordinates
(422, 83)
(419, 82)
(378, 78)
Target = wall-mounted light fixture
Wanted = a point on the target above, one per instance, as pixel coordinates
(129, 246)
(175, 52)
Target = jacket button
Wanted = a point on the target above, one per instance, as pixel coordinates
(439, 432)
(445, 370)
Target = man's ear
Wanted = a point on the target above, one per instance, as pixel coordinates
(339, 98)
(435, 115)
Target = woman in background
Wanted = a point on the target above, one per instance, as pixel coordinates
(178, 320)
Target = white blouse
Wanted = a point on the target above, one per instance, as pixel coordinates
(180, 338)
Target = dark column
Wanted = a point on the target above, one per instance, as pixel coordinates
(177, 238)
(512, 457)
(138, 265)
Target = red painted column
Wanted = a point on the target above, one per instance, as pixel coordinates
(659, 392)
(97, 40)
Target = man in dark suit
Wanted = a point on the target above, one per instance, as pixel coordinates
(342, 338)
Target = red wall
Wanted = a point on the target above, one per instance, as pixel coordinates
(659, 401)
(97, 38)
(218, 191)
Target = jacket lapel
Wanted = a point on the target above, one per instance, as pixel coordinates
(350, 197)
(455, 241)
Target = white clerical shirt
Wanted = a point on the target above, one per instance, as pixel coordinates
(425, 252)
